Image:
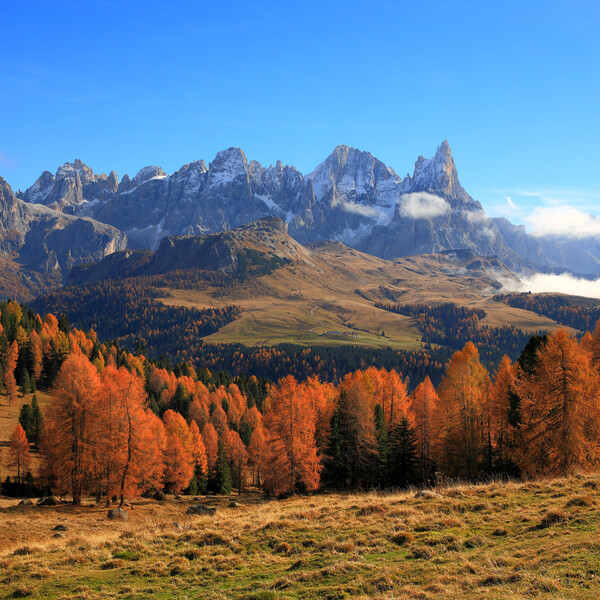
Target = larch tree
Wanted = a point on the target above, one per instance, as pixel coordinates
(560, 410)
(219, 420)
(198, 413)
(179, 460)
(19, 451)
(70, 429)
(500, 404)
(200, 461)
(36, 352)
(258, 450)
(293, 463)
(10, 363)
(211, 444)
(153, 466)
(124, 422)
(423, 415)
(238, 459)
(463, 395)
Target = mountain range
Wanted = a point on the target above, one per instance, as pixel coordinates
(76, 215)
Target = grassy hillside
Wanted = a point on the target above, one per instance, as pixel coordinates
(528, 540)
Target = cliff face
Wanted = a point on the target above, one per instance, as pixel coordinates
(350, 197)
(45, 244)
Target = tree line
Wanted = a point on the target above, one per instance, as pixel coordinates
(119, 425)
(558, 308)
(450, 325)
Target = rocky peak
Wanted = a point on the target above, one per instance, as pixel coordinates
(146, 174)
(113, 181)
(229, 163)
(124, 185)
(437, 174)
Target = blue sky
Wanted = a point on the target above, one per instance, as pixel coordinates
(513, 86)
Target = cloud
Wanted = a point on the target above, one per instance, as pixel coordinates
(360, 209)
(477, 216)
(422, 205)
(564, 284)
(563, 221)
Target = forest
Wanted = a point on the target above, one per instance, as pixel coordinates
(556, 307)
(128, 312)
(119, 425)
(449, 325)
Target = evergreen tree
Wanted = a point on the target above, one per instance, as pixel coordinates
(402, 455)
(63, 324)
(382, 443)
(222, 481)
(25, 381)
(37, 421)
(181, 401)
(26, 421)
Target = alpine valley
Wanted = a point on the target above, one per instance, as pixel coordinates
(324, 258)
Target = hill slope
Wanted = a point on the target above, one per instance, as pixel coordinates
(322, 293)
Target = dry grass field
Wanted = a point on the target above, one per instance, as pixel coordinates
(502, 540)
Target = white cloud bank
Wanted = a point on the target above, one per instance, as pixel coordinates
(563, 284)
(563, 221)
(422, 205)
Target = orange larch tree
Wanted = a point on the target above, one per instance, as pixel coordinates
(211, 444)
(560, 410)
(10, 383)
(423, 415)
(199, 455)
(70, 426)
(258, 450)
(219, 420)
(19, 451)
(293, 463)
(179, 460)
(501, 398)
(463, 394)
(238, 459)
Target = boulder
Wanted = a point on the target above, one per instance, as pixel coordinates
(49, 501)
(428, 494)
(234, 504)
(61, 528)
(202, 509)
(26, 502)
(160, 495)
(118, 514)
(58, 535)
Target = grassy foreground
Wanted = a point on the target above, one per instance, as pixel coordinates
(526, 540)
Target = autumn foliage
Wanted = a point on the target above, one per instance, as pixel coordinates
(119, 425)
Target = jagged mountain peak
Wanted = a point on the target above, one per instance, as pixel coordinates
(148, 173)
(438, 175)
(232, 159)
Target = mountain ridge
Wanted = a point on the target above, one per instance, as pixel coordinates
(350, 197)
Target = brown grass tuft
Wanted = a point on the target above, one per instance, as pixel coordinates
(403, 537)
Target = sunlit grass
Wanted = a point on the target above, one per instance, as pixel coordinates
(501, 540)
